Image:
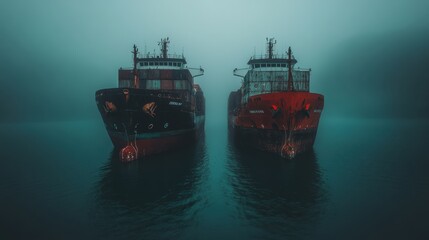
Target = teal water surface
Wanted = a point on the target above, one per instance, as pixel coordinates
(364, 179)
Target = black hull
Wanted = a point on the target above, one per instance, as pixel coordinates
(152, 121)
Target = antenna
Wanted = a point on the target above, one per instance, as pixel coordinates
(164, 46)
(135, 72)
(270, 47)
(290, 76)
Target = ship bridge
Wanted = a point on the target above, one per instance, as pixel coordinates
(274, 62)
(162, 61)
(159, 62)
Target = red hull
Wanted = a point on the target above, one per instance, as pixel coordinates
(274, 109)
(284, 122)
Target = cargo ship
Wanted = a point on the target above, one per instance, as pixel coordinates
(274, 110)
(156, 107)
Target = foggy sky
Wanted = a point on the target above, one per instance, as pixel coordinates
(56, 54)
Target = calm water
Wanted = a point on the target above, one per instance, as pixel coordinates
(364, 180)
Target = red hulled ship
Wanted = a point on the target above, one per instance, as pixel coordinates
(157, 107)
(274, 110)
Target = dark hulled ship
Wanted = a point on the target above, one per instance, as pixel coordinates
(156, 108)
(274, 109)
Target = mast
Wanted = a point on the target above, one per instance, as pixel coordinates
(290, 77)
(164, 47)
(135, 72)
(270, 47)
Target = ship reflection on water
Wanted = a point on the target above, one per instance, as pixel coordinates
(283, 197)
(155, 197)
(170, 196)
(214, 189)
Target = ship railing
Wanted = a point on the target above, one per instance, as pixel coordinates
(154, 55)
(265, 56)
(156, 67)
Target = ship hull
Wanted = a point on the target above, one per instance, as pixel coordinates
(141, 122)
(283, 123)
(155, 143)
(274, 141)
